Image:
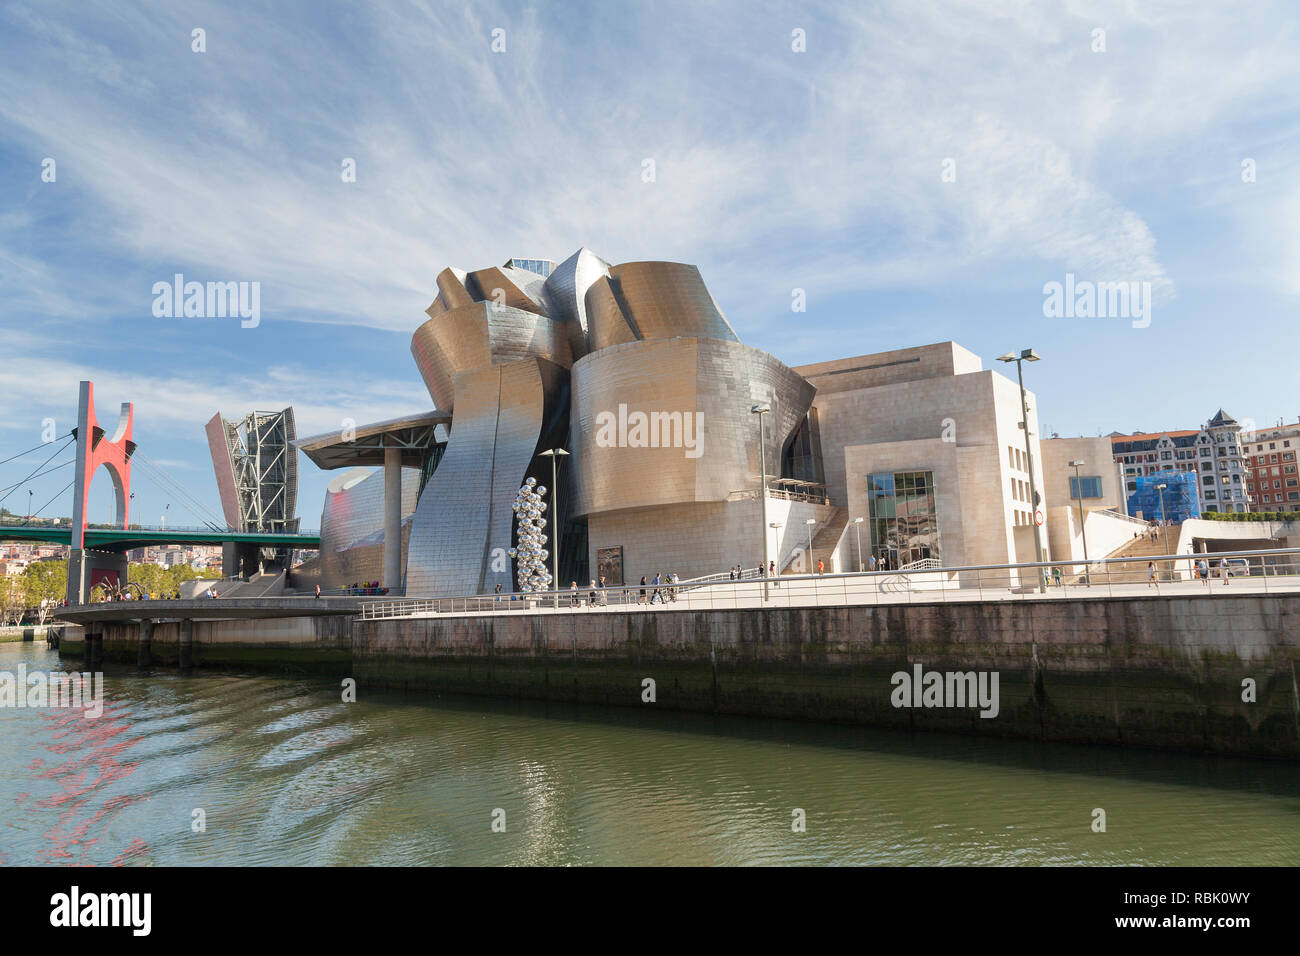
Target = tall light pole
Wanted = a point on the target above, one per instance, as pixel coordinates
(1161, 488)
(1083, 528)
(760, 410)
(554, 454)
(1029, 355)
(810, 522)
(777, 526)
(857, 528)
(29, 505)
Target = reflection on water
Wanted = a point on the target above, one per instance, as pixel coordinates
(284, 772)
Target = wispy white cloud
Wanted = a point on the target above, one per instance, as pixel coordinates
(227, 163)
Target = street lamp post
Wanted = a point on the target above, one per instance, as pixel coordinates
(29, 506)
(1083, 529)
(760, 410)
(1161, 488)
(1029, 355)
(777, 526)
(554, 454)
(810, 522)
(857, 529)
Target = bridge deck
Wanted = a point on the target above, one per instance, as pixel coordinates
(118, 539)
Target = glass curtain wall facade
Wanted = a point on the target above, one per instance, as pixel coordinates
(904, 519)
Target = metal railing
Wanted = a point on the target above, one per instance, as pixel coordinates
(1249, 572)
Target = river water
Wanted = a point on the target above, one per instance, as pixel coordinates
(284, 772)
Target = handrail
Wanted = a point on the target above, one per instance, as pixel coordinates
(891, 581)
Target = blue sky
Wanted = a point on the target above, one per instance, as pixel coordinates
(775, 170)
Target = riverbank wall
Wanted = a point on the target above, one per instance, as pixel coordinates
(1191, 673)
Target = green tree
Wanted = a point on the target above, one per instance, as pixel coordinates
(45, 583)
(12, 599)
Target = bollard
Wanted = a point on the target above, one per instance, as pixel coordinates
(146, 643)
(187, 643)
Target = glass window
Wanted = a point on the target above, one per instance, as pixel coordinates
(904, 518)
(1090, 485)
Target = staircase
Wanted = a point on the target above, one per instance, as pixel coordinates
(1141, 550)
(266, 584)
(824, 542)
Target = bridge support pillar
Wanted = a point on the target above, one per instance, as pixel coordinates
(241, 559)
(187, 642)
(146, 642)
(87, 568)
(392, 518)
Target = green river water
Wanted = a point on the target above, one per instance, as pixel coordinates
(284, 772)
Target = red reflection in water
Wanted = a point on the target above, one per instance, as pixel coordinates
(95, 746)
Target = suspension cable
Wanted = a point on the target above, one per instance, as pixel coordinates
(177, 490)
(38, 468)
(55, 498)
(184, 497)
(47, 471)
(30, 450)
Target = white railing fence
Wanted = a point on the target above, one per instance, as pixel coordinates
(1271, 571)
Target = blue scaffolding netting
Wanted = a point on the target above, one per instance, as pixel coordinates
(1180, 497)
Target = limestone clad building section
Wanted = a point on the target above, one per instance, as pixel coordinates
(933, 408)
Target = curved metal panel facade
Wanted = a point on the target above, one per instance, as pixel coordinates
(657, 300)
(481, 335)
(494, 286)
(352, 525)
(463, 522)
(567, 288)
(452, 293)
(669, 422)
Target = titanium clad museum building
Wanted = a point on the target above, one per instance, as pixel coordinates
(635, 372)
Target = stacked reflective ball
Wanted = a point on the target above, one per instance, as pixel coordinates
(530, 552)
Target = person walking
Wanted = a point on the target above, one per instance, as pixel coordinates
(1203, 571)
(318, 590)
(1223, 570)
(641, 599)
(591, 596)
(1151, 575)
(771, 569)
(821, 566)
(604, 595)
(873, 562)
(573, 590)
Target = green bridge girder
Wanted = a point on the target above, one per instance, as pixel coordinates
(119, 540)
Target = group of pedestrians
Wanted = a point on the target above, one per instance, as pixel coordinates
(597, 596)
(1202, 573)
(662, 589)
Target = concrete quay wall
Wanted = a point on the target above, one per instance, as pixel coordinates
(1146, 672)
(318, 644)
(1162, 672)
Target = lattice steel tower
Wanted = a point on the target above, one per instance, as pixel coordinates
(256, 466)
